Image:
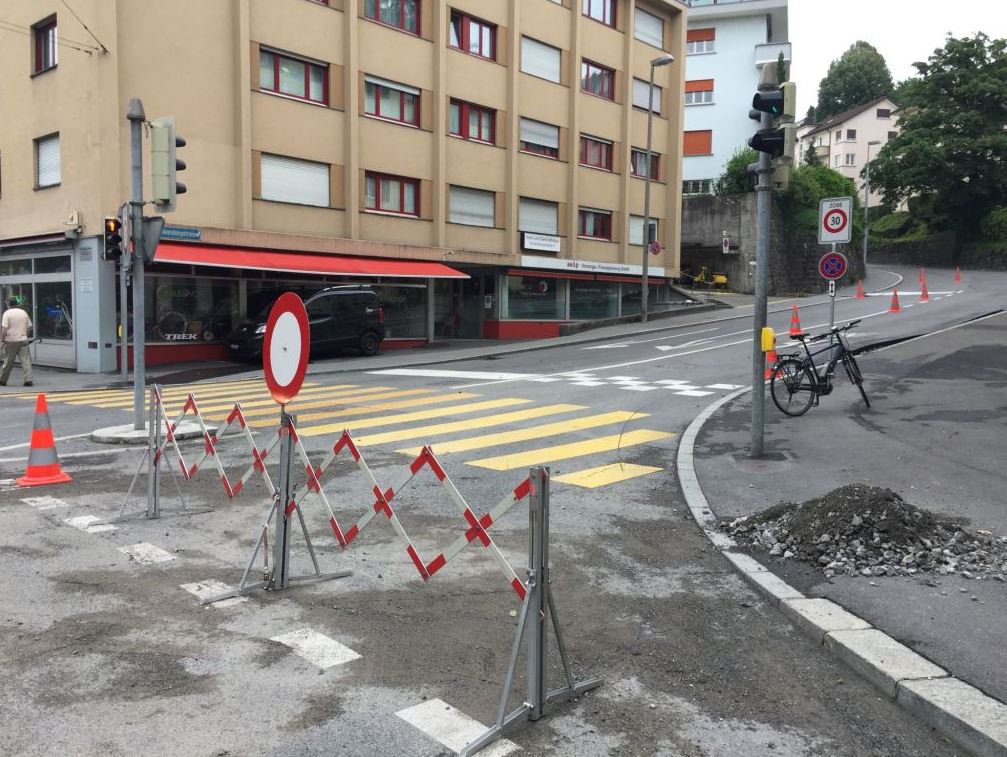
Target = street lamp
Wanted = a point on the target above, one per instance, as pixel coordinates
(660, 60)
(867, 196)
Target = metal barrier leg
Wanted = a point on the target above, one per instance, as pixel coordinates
(154, 464)
(281, 543)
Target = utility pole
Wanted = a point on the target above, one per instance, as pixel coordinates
(136, 117)
(763, 198)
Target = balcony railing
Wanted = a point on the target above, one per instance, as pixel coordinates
(770, 53)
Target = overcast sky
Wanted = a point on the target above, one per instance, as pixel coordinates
(903, 31)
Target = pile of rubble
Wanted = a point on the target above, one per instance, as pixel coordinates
(860, 530)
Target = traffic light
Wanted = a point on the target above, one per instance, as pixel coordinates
(780, 141)
(164, 165)
(113, 239)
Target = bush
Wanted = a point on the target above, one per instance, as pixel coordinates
(994, 225)
(892, 226)
(809, 185)
(736, 179)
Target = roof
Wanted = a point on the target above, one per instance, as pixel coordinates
(846, 115)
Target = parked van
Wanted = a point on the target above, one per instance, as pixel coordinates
(339, 317)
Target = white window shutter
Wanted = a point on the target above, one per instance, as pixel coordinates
(290, 180)
(538, 216)
(539, 59)
(649, 28)
(472, 207)
(539, 133)
(641, 95)
(48, 161)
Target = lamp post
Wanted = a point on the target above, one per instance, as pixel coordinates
(867, 197)
(660, 60)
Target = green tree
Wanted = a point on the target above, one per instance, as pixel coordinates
(858, 76)
(782, 69)
(811, 156)
(736, 179)
(809, 185)
(952, 145)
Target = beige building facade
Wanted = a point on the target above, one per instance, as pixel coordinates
(480, 163)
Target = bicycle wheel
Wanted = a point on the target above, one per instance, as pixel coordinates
(856, 377)
(792, 386)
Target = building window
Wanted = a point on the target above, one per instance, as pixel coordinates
(835, 160)
(471, 207)
(596, 152)
(699, 92)
(600, 10)
(648, 28)
(851, 135)
(293, 77)
(699, 41)
(839, 135)
(697, 187)
(540, 60)
(597, 80)
(641, 95)
(472, 122)
(638, 163)
(539, 138)
(533, 298)
(698, 142)
(636, 230)
(303, 182)
(595, 224)
(884, 113)
(402, 14)
(391, 194)
(473, 36)
(47, 161)
(391, 101)
(44, 42)
(851, 159)
(538, 216)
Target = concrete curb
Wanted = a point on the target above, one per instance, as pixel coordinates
(126, 434)
(967, 716)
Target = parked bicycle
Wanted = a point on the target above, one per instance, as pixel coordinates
(797, 384)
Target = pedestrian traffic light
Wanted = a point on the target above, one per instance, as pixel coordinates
(113, 239)
(164, 165)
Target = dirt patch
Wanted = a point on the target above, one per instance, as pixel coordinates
(869, 531)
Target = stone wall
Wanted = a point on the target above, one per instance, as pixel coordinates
(935, 250)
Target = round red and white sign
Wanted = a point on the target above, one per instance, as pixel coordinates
(834, 221)
(832, 266)
(285, 347)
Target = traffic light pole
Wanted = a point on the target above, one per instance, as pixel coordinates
(763, 197)
(136, 117)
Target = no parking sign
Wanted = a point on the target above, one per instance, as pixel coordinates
(835, 216)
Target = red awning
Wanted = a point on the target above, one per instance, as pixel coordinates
(301, 262)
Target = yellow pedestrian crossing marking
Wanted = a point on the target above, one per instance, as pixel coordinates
(529, 433)
(423, 432)
(543, 455)
(271, 413)
(110, 394)
(419, 415)
(334, 393)
(604, 475)
(397, 405)
(179, 395)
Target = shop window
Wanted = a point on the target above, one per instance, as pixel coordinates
(630, 294)
(391, 101)
(534, 298)
(391, 194)
(405, 310)
(539, 138)
(183, 309)
(285, 75)
(470, 35)
(597, 80)
(472, 122)
(402, 14)
(638, 163)
(52, 264)
(54, 316)
(591, 300)
(45, 46)
(596, 153)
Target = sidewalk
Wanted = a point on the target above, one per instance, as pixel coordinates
(936, 435)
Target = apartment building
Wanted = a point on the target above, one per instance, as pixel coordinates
(727, 42)
(849, 139)
(479, 163)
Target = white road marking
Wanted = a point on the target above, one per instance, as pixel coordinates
(8, 484)
(452, 728)
(588, 383)
(316, 648)
(103, 451)
(58, 439)
(211, 587)
(44, 502)
(692, 393)
(435, 373)
(546, 379)
(724, 387)
(608, 346)
(147, 554)
(671, 381)
(89, 524)
(629, 342)
(638, 388)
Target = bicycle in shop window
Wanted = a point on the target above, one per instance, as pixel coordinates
(797, 383)
(60, 324)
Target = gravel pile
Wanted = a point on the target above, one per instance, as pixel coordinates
(859, 530)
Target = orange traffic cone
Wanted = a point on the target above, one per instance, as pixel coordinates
(860, 290)
(770, 365)
(895, 302)
(43, 465)
(958, 275)
(924, 294)
(795, 322)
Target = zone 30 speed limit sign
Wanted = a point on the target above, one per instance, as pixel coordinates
(835, 220)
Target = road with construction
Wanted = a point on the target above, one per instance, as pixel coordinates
(108, 650)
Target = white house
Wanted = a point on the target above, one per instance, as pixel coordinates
(726, 43)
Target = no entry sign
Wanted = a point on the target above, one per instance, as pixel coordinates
(834, 220)
(285, 348)
(832, 266)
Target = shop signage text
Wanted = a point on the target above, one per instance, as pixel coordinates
(588, 266)
(181, 232)
(542, 242)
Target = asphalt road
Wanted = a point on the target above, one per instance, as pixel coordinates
(107, 654)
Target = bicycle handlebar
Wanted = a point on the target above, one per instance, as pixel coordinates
(830, 332)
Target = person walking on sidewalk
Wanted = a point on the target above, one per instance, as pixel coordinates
(15, 327)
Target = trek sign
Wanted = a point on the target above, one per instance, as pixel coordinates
(835, 217)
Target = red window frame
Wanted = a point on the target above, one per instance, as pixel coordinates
(603, 153)
(607, 11)
(536, 149)
(606, 80)
(375, 9)
(465, 111)
(603, 225)
(638, 163)
(403, 181)
(45, 53)
(378, 89)
(308, 66)
(466, 24)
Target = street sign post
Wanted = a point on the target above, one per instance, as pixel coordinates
(835, 220)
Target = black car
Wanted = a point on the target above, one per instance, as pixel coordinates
(339, 316)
